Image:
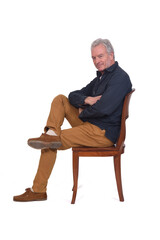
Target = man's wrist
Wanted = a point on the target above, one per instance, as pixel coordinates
(86, 100)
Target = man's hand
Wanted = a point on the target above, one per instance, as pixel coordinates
(80, 110)
(92, 100)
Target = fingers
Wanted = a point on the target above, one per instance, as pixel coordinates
(92, 100)
(99, 97)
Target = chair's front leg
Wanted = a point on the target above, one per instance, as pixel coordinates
(75, 175)
(117, 168)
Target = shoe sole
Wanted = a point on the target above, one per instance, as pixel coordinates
(43, 145)
(29, 200)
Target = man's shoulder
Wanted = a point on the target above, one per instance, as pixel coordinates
(120, 74)
(121, 71)
(120, 77)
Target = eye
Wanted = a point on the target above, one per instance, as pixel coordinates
(100, 56)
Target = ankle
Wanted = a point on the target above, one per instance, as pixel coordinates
(51, 132)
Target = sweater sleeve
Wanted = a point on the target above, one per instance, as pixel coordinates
(76, 98)
(110, 100)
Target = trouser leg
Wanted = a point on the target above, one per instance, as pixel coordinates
(60, 109)
(87, 135)
(46, 164)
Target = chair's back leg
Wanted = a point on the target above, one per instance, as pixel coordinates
(75, 175)
(117, 168)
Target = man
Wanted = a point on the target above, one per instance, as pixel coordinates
(94, 113)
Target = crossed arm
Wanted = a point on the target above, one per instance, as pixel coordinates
(90, 101)
(102, 104)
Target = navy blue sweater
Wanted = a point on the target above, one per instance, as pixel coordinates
(106, 113)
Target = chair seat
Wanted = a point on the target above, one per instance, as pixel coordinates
(92, 149)
(98, 150)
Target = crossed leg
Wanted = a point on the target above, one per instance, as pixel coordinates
(81, 134)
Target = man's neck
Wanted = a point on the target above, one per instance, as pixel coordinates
(111, 63)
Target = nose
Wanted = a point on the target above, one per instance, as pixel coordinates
(96, 61)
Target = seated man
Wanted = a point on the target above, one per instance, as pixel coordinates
(94, 113)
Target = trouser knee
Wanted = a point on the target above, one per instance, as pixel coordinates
(60, 97)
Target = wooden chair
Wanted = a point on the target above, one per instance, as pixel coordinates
(114, 151)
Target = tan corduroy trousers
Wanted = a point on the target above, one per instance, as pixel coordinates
(81, 134)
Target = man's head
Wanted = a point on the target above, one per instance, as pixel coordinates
(102, 54)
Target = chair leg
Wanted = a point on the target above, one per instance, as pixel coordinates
(75, 175)
(117, 168)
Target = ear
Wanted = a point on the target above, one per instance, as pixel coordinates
(111, 55)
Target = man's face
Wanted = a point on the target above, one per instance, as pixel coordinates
(101, 58)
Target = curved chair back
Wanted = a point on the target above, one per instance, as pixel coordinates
(125, 115)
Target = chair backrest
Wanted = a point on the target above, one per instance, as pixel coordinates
(125, 115)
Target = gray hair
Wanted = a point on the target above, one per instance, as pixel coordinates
(106, 43)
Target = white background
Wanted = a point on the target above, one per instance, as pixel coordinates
(45, 51)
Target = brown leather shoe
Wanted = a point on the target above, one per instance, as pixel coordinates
(45, 141)
(29, 196)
